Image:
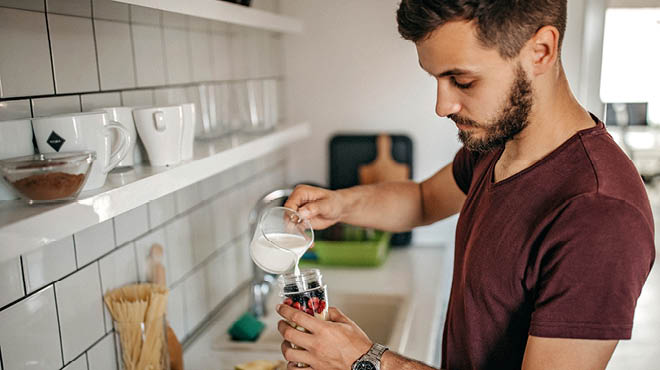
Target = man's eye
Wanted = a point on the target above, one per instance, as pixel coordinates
(460, 85)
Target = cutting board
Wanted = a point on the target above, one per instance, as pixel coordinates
(384, 168)
(348, 152)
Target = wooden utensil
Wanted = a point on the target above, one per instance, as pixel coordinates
(384, 167)
(157, 276)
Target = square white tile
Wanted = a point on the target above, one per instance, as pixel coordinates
(197, 304)
(143, 250)
(222, 220)
(221, 42)
(200, 50)
(102, 356)
(221, 276)
(203, 236)
(100, 100)
(161, 210)
(56, 105)
(244, 264)
(80, 8)
(115, 53)
(36, 5)
(48, 263)
(25, 69)
(129, 225)
(78, 364)
(135, 98)
(179, 249)
(177, 54)
(94, 242)
(187, 198)
(80, 309)
(110, 10)
(170, 96)
(15, 109)
(175, 311)
(149, 55)
(29, 335)
(11, 281)
(144, 15)
(238, 52)
(117, 269)
(74, 56)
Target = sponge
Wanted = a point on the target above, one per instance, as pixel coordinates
(246, 329)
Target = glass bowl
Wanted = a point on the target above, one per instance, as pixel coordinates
(50, 177)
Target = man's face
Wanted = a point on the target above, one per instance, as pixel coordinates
(489, 98)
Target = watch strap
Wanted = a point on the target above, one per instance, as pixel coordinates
(372, 356)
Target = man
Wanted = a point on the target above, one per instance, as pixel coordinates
(555, 236)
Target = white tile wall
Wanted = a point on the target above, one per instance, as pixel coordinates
(179, 250)
(170, 96)
(142, 15)
(136, 98)
(74, 54)
(115, 54)
(131, 224)
(220, 214)
(196, 299)
(36, 5)
(188, 198)
(78, 364)
(28, 325)
(80, 311)
(102, 356)
(149, 54)
(11, 281)
(94, 242)
(110, 10)
(175, 310)
(101, 100)
(161, 210)
(221, 41)
(14, 109)
(48, 263)
(203, 238)
(117, 269)
(200, 49)
(221, 276)
(177, 47)
(25, 68)
(55, 105)
(80, 8)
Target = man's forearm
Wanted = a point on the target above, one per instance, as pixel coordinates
(392, 206)
(394, 361)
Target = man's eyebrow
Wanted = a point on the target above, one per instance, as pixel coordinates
(450, 72)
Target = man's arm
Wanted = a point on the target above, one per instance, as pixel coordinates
(392, 206)
(565, 354)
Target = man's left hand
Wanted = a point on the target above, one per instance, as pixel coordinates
(328, 345)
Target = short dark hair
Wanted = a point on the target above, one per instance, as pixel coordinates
(505, 24)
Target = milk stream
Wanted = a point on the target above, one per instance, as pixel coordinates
(278, 261)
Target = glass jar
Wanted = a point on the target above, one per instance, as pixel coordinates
(305, 292)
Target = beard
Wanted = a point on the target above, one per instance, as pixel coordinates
(512, 119)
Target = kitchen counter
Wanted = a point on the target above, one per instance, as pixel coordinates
(421, 274)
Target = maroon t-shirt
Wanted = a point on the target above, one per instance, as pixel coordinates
(559, 250)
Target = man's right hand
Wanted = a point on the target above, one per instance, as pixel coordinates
(322, 207)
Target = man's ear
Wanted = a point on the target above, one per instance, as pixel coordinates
(542, 50)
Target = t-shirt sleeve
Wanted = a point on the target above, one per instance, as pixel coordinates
(463, 168)
(590, 270)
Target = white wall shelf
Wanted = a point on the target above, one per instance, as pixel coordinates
(225, 12)
(25, 228)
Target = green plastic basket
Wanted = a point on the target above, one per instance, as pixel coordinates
(372, 252)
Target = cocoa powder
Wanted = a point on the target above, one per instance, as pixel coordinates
(49, 186)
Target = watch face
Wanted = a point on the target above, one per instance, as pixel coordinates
(365, 365)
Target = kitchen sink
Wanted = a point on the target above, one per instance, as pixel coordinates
(383, 317)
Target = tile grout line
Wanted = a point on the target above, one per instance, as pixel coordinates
(20, 258)
(50, 47)
(132, 35)
(105, 324)
(96, 49)
(86, 360)
(59, 324)
(1, 365)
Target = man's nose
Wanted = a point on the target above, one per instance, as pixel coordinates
(446, 103)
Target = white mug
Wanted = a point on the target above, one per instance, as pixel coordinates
(84, 131)
(188, 137)
(161, 130)
(15, 141)
(124, 116)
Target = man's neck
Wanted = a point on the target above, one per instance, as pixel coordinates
(556, 116)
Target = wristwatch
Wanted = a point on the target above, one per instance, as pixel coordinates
(371, 359)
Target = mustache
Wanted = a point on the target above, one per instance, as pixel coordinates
(463, 121)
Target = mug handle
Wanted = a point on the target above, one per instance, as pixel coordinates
(159, 121)
(122, 148)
